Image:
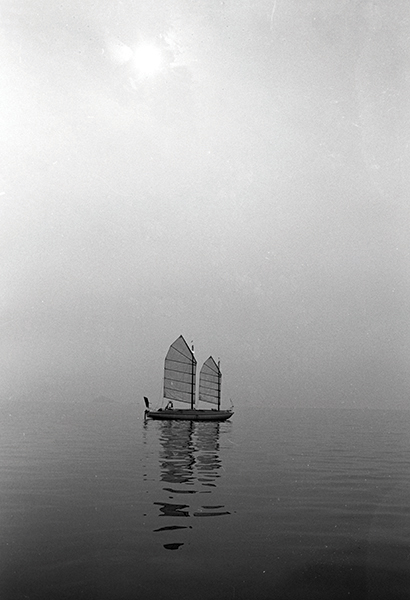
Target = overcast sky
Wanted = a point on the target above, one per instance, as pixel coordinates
(249, 191)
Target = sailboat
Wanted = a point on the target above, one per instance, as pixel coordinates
(180, 386)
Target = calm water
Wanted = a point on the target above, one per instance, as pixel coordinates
(276, 504)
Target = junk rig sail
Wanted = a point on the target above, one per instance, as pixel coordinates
(179, 385)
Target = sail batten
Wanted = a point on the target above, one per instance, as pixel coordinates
(180, 373)
(210, 382)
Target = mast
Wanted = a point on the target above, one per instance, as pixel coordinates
(193, 373)
(219, 384)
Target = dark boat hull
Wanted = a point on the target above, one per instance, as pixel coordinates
(180, 414)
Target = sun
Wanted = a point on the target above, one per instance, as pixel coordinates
(147, 60)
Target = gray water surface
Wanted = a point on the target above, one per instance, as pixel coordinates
(97, 504)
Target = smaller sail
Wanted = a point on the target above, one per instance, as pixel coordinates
(179, 372)
(210, 382)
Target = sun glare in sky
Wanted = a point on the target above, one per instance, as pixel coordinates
(147, 60)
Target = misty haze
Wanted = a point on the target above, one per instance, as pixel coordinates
(251, 193)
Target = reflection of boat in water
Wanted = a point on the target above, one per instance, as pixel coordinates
(180, 383)
(190, 466)
(189, 453)
(177, 454)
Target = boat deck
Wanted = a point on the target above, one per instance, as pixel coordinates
(189, 414)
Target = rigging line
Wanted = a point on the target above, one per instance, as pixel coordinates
(272, 14)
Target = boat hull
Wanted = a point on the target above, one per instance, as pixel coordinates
(178, 414)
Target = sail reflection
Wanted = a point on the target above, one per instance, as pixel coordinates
(190, 466)
(177, 454)
(208, 462)
(189, 454)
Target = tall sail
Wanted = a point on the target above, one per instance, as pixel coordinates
(210, 382)
(180, 373)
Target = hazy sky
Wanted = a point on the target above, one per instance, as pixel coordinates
(251, 194)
